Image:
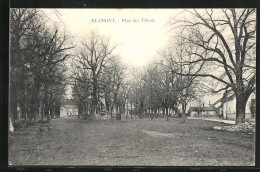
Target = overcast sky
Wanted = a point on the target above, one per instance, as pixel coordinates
(137, 42)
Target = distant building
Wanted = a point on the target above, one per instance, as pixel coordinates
(224, 106)
(68, 108)
(203, 111)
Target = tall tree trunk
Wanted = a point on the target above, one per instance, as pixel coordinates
(22, 100)
(131, 110)
(94, 95)
(35, 103)
(115, 102)
(241, 100)
(183, 113)
(46, 100)
(32, 110)
(167, 113)
(14, 55)
(86, 111)
(111, 112)
(57, 109)
(80, 110)
(163, 112)
(13, 100)
(107, 106)
(151, 114)
(51, 108)
(23, 106)
(127, 109)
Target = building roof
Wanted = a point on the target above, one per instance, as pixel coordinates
(68, 102)
(202, 109)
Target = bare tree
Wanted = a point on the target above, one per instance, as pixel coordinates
(112, 80)
(158, 83)
(19, 21)
(226, 40)
(137, 92)
(37, 53)
(81, 90)
(182, 82)
(93, 55)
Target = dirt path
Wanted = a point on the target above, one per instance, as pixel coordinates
(158, 134)
(72, 141)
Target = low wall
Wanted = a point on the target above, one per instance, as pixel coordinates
(232, 116)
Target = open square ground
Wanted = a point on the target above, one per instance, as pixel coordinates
(134, 142)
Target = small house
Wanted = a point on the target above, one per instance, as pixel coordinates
(203, 111)
(68, 108)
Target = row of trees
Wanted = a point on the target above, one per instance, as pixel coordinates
(159, 89)
(37, 69)
(98, 74)
(214, 48)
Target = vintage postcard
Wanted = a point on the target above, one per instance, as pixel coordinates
(132, 87)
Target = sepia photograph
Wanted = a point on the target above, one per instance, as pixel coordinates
(132, 87)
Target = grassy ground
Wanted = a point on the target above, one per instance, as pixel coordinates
(134, 142)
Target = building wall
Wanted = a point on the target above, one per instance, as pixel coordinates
(204, 114)
(63, 111)
(210, 114)
(68, 110)
(197, 103)
(229, 109)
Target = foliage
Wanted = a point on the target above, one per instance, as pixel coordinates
(37, 55)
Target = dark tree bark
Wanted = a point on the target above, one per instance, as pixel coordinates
(13, 99)
(241, 101)
(183, 112)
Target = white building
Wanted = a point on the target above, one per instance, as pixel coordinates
(229, 107)
(226, 107)
(68, 108)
